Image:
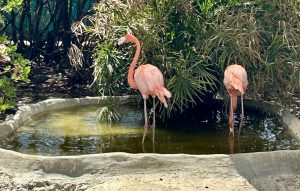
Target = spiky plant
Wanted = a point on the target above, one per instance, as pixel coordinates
(193, 41)
(170, 33)
(263, 39)
(109, 113)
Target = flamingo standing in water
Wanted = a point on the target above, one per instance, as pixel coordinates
(235, 81)
(148, 79)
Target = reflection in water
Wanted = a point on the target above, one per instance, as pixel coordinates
(75, 131)
(232, 137)
(231, 142)
(149, 151)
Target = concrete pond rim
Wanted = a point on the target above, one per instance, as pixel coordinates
(261, 170)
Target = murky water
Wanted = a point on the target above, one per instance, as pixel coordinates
(75, 131)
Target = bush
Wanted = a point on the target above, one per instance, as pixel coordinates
(13, 67)
(171, 37)
(264, 37)
(193, 41)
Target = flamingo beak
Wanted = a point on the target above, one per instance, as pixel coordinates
(121, 40)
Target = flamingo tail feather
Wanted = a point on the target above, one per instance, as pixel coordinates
(161, 96)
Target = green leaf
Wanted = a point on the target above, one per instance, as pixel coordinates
(3, 39)
(11, 4)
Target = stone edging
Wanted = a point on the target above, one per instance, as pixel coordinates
(288, 119)
(264, 170)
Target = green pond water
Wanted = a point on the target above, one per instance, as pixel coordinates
(75, 131)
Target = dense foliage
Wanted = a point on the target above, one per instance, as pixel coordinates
(13, 67)
(171, 35)
(42, 27)
(264, 36)
(193, 41)
(40, 31)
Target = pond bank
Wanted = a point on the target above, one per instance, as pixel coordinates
(278, 170)
(119, 171)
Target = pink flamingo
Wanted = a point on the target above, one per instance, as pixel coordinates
(235, 81)
(148, 79)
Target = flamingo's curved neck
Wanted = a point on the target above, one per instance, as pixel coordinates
(131, 81)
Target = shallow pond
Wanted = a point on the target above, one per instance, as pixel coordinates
(75, 131)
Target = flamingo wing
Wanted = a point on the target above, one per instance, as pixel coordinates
(148, 78)
(235, 77)
(150, 81)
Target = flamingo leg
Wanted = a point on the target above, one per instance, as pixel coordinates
(231, 143)
(146, 120)
(231, 119)
(242, 114)
(153, 125)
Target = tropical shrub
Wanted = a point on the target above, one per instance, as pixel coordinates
(171, 37)
(192, 41)
(264, 37)
(13, 67)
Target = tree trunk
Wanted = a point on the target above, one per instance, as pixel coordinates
(65, 21)
(13, 26)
